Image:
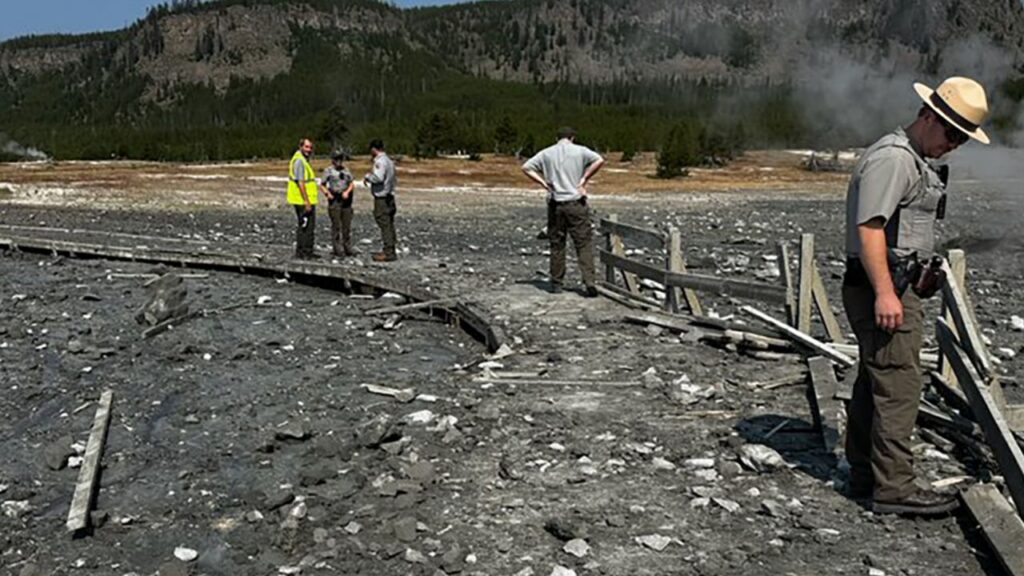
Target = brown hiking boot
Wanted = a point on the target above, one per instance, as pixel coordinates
(918, 503)
(384, 257)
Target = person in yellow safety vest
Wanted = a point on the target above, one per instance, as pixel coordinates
(302, 194)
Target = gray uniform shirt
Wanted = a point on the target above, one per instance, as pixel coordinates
(337, 181)
(382, 179)
(562, 165)
(300, 171)
(894, 183)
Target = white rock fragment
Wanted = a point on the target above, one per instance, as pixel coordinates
(761, 458)
(185, 554)
(729, 505)
(1017, 323)
(1008, 353)
(562, 571)
(353, 527)
(15, 508)
(655, 542)
(699, 463)
(419, 417)
(263, 300)
(660, 463)
(578, 547)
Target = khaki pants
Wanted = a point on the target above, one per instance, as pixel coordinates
(341, 229)
(384, 210)
(304, 235)
(571, 219)
(886, 396)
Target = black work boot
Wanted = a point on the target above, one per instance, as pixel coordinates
(920, 502)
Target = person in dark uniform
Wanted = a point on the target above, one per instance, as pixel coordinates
(894, 197)
(337, 185)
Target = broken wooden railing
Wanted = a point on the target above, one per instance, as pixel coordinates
(681, 287)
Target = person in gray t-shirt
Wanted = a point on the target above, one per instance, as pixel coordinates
(564, 170)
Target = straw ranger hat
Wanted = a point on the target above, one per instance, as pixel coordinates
(961, 102)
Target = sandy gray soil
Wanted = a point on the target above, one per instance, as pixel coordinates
(200, 452)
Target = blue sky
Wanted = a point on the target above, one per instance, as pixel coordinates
(18, 18)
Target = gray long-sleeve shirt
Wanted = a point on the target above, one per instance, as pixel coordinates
(562, 165)
(382, 179)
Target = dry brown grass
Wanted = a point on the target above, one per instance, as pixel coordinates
(259, 183)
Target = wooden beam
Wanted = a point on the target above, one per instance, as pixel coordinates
(828, 318)
(629, 278)
(627, 298)
(958, 265)
(646, 237)
(668, 322)
(769, 293)
(806, 279)
(676, 263)
(826, 412)
(801, 337)
(1014, 416)
(85, 489)
(997, 434)
(1000, 523)
(966, 328)
(786, 276)
(953, 395)
(408, 307)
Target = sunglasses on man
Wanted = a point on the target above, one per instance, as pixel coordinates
(954, 135)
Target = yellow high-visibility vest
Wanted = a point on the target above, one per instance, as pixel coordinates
(294, 193)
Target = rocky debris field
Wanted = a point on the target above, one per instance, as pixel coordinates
(254, 440)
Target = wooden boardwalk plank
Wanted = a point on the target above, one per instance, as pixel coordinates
(85, 489)
(997, 433)
(1000, 523)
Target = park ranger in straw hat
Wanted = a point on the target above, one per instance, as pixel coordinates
(894, 197)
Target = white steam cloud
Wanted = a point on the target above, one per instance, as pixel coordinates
(11, 148)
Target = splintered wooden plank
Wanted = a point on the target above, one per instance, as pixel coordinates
(618, 249)
(801, 337)
(1000, 523)
(805, 296)
(966, 327)
(786, 276)
(997, 434)
(646, 237)
(825, 410)
(958, 265)
(676, 263)
(85, 489)
(828, 318)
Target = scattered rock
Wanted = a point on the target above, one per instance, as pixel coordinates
(291, 431)
(185, 554)
(562, 571)
(415, 557)
(405, 529)
(1017, 323)
(577, 547)
(15, 508)
(655, 542)
(660, 463)
(56, 454)
(761, 458)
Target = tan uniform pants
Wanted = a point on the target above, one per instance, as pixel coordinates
(886, 396)
(571, 219)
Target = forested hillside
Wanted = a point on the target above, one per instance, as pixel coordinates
(244, 78)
